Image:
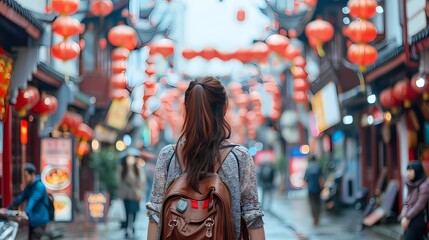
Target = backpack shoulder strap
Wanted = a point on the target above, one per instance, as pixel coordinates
(225, 150)
(172, 155)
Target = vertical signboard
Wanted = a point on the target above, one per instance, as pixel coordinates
(297, 166)
(56, 164)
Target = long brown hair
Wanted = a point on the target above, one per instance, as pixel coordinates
(205, 127)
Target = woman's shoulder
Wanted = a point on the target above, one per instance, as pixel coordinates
(241, 153)
(425, 185)
(166, 152)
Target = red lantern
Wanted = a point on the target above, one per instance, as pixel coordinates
(209, 53)
(71, 120)
(27, 99)
(164, 46)
(66, 26)
(84, 132)
(277, 42)
(300, 84)
(101, 8)
(189, 53)
(45, 107)
(118, 94)
(150, 70)
(300, 97)
(241, 15)
(299, 72)
(123, 36)
(65, 7)
(361, 31)
(65, 50)
(83, 149)
(243, 55)
(420, 84)
(119, 66)
(362, 55)
(291, 52)
(387, 99)
(151, 87)
(310, 3)
(404, 92)
(320, 31)
(120, 54)
(299, 62)
(119, 81)
(363, 9)
(260, 51)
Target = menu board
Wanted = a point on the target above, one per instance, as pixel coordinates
(56, 164)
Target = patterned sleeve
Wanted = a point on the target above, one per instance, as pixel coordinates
(250, 208)
(159, 181)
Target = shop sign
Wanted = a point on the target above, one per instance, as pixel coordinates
(6, 64)
(297, 166)
(56, 164)
(118, 114)
(96, 207)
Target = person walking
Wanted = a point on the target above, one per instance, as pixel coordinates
(313, 177)
(199, 152)
(413, 215)
(130, 190)
(266, 177)
(37, 202)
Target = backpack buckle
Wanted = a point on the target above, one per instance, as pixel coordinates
(173, 223)
(209, 224)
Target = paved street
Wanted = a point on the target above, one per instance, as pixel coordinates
(287, 214)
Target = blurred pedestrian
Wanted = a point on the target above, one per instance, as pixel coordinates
(314, 178)
(37, 202)
(266, 178)
(150, 171)
(198, 152)
(413, 214)
(130, 190)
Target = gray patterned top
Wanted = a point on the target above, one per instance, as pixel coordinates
(244, 193)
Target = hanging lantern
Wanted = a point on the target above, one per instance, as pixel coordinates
(83, 149)
(362, 54)
(387, 99)
(164, 46)
(291, 52)
(299, 62)
(65, 7)
(225, 56)
(300, 84)
(103, 43)
(277, 42)
(299, 72)
(120, 54)
(66, 26)
(209, 53)
(84, 132)
(123, 36)
(310, 3)
(151, 87)
(321, 31)
(70, 121)
(300, 97)
(420, 84)
(118, 81)
(363, 9)
(101, 8)
(27, 99)
(361, 31)
(150, 70)
(66, 50)
(188, 53)
(241, 15)
(119, 66)
(119, 94)
(260, 51)
(46, 106)
(404, 92)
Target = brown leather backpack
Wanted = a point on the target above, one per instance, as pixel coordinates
(187, 214)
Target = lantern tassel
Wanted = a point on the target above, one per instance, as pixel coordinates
(320, 51)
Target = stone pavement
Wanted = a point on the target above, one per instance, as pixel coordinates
(287, 216)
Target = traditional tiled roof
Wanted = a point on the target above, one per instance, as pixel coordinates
(24, 12)
(386, 56)
(57, 75)
(420, 36)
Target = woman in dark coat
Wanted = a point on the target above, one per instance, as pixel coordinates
(413, 215)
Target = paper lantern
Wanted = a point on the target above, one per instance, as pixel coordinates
(300, 97)
(66, 50)
(71, 121)
(260, 51)
(65, 7)
(387, 99)
(403, 91)
(300, 84)
(363, 9)
(320, 31)
(123, 36)
(118, 80)
(66, 26)
(241, 15)
(119, 66)
(209, 53)
(291, 52)
(361, 31)
(84, 132)
(420, 84)
(118, 94)
(243, 55)
(164, 46)
(120, 54)
(299, 72)
(83, 149)
(101, 8)
(189, 53)
(362, 54)
(225, 56)
(46, 106)
(277, 42)
(27, 99)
